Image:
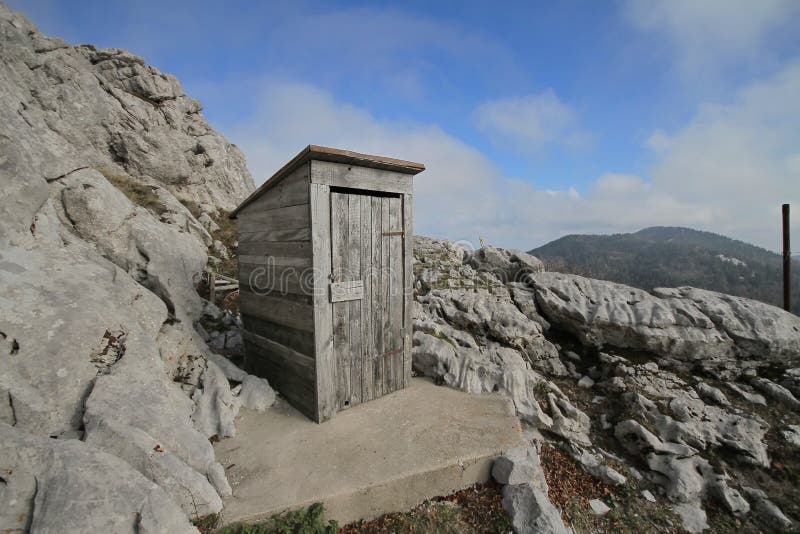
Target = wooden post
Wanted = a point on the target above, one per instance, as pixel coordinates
(212, 287)
(787, 262)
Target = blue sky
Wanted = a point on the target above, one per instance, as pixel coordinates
(536, 119)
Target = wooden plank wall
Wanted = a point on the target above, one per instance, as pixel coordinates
(276, 294)
(363, 178)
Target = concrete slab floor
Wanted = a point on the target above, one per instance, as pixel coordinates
(387, 455)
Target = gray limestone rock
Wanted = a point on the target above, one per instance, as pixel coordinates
(256, 393)
(70, 486)
(599, 507)
(520, 465)
(683, 324)
(597, 468)
(776, 392)
(99, 258)
(767, 510)
(692, 516)
(531, 512)
(791, 434)
(711, 394)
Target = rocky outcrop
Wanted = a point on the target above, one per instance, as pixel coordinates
(487, 320)
(70, 107)
(102, 372)
(690, 325)
(54, 486)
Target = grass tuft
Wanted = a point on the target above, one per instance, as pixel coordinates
(140, 194)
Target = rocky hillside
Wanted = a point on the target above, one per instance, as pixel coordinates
(108, 392)
(680, 397)
(679, 404)
(671, 256)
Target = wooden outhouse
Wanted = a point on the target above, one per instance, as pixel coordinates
(325, 248)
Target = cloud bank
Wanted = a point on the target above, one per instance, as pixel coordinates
(727, 170)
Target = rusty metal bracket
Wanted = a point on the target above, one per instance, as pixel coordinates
(391, 233)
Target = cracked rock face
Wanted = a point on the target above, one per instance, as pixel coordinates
(69, 482)
(68, 107)
(479, 329)
(685, 324)
(101, 369)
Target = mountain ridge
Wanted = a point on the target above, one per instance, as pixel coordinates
(670, 256)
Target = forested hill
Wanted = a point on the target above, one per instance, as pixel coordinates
(671, 256)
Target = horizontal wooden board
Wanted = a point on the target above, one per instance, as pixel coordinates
(274, 261)
(284, 217)
(277, 310)
(349, 176)
(301, 364)
(290, 249)
(288, 371)
(278, 279)
(343, 291)
(293, 338)
(287, 234)
(289, 191)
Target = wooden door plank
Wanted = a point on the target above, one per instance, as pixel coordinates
(354, 268)
(367, 381)
(323, 320)
(408, 287)
(341, 310)
(377, 295)
(396, 291)
(386, 265)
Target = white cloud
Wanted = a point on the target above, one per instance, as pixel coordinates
(528, 123)
(727, 170)
(708, 35)
(738, 160)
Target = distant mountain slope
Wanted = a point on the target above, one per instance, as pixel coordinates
(671, 256)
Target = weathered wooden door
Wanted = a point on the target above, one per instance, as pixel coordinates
(367, 295)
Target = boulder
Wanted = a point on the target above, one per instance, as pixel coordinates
(495, 316)
(767, 510)
(494, 368)
(506, 265)
(777, 393)
(520, 465)
(256, 393)
(603, 313)
(711, 394)
(69, 486)
(531, 512)
(701, 426)
(683, 324)
(693, 517)
(747, 394)
(791, 435)
(599, 507)
(597, 468)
